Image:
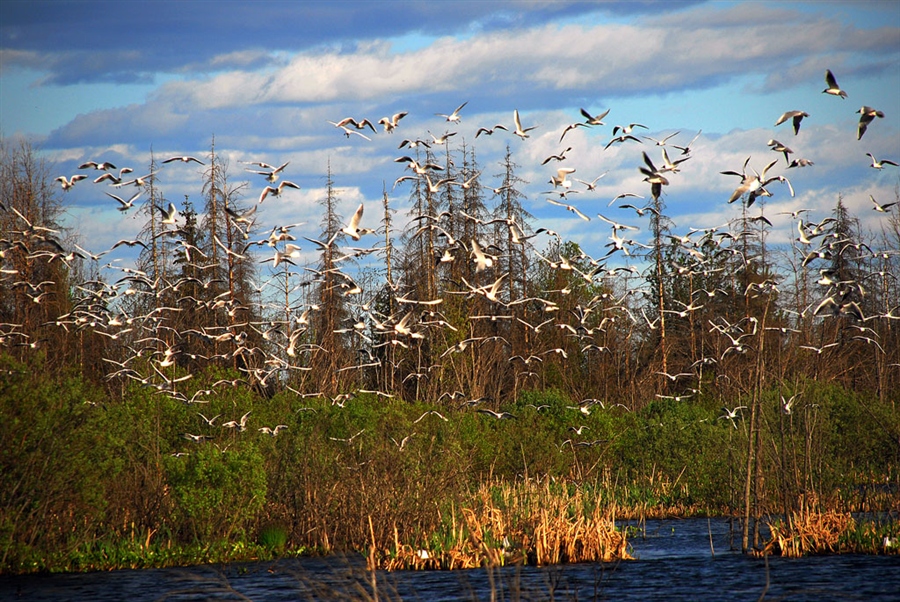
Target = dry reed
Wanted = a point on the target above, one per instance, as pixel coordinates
(522, 523)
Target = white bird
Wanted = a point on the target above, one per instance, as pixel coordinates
(795, 116)
(482, 261)
(69, 183)
(183, 159)
(352, 229)
(520, 131)
(879, 207)
(875, 163)
(454, 116)
(560, 179)
(276, 190)
(391, 123)
(106, 165)
(347, 131)
(866, 116)
(833, 87)
(594, 119)
(169, 214)
(126, 205)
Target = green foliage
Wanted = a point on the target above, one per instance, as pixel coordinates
(217, 494)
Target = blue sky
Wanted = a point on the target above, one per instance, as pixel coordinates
(109, 80)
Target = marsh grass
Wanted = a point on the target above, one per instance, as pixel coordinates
(522, 523)
(811, 530)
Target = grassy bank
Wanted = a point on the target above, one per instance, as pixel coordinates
(88, 483)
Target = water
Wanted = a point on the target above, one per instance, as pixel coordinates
(675, 563)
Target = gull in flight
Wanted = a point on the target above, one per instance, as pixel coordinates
(272, 173)
(347, 131)
(391, 123)
(866, 116)
(126, 205)
(352, 229)
(875, 162)
(520, 131)
(795, 116)
(184, 159)
(454, 116)
(594, 119)
(69, 183)
(490, 131)
(169, 214)
(276, 190)
(833, 88)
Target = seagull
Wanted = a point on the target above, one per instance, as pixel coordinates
(272, 173)
(360, 125)
(69, 183)
(482, 261)
(571, 127)
(778, 147)
(560, 179)
(391, 123)
(184, 159)
(686, 149)
(430, 413)
(352, 229)
(866, 116)
(875, 163)
(833, 87)
(520, 131)
(454, 116)
(663, 141)
(106, 165)
(126, 205)
(571, 208)
(796, 116)
(594, 119)
(592, 185)
(627, 129)
(490, 131)
(272, 432)
(497, 415)
(347, 131)
(560, 157)
(169, 214)
(731, 415)
(881, 208)
(276, 190)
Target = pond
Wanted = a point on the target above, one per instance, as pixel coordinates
(676, 560)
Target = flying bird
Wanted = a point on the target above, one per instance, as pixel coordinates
(391, 123)
(795, 116)
(520, 131)
(833, 87)
(490, 131)
(454, 116)
(880, 164)
(276, 190)
(594, 119)
(184, 159)
(126, 205)
(69, 183)
(866, 116)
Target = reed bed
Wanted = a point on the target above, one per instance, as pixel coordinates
(809, 532)
(522, 523)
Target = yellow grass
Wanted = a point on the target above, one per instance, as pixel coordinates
(525, 523)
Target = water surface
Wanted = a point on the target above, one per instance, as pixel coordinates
(675, 562)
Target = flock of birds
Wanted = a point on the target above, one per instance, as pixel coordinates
(102, 306)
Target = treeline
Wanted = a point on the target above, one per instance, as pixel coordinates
(466, 306)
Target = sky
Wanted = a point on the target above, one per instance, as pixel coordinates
(111, 81)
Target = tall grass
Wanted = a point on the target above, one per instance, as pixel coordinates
(87, 483)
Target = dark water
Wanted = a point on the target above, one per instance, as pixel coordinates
(675, 563)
